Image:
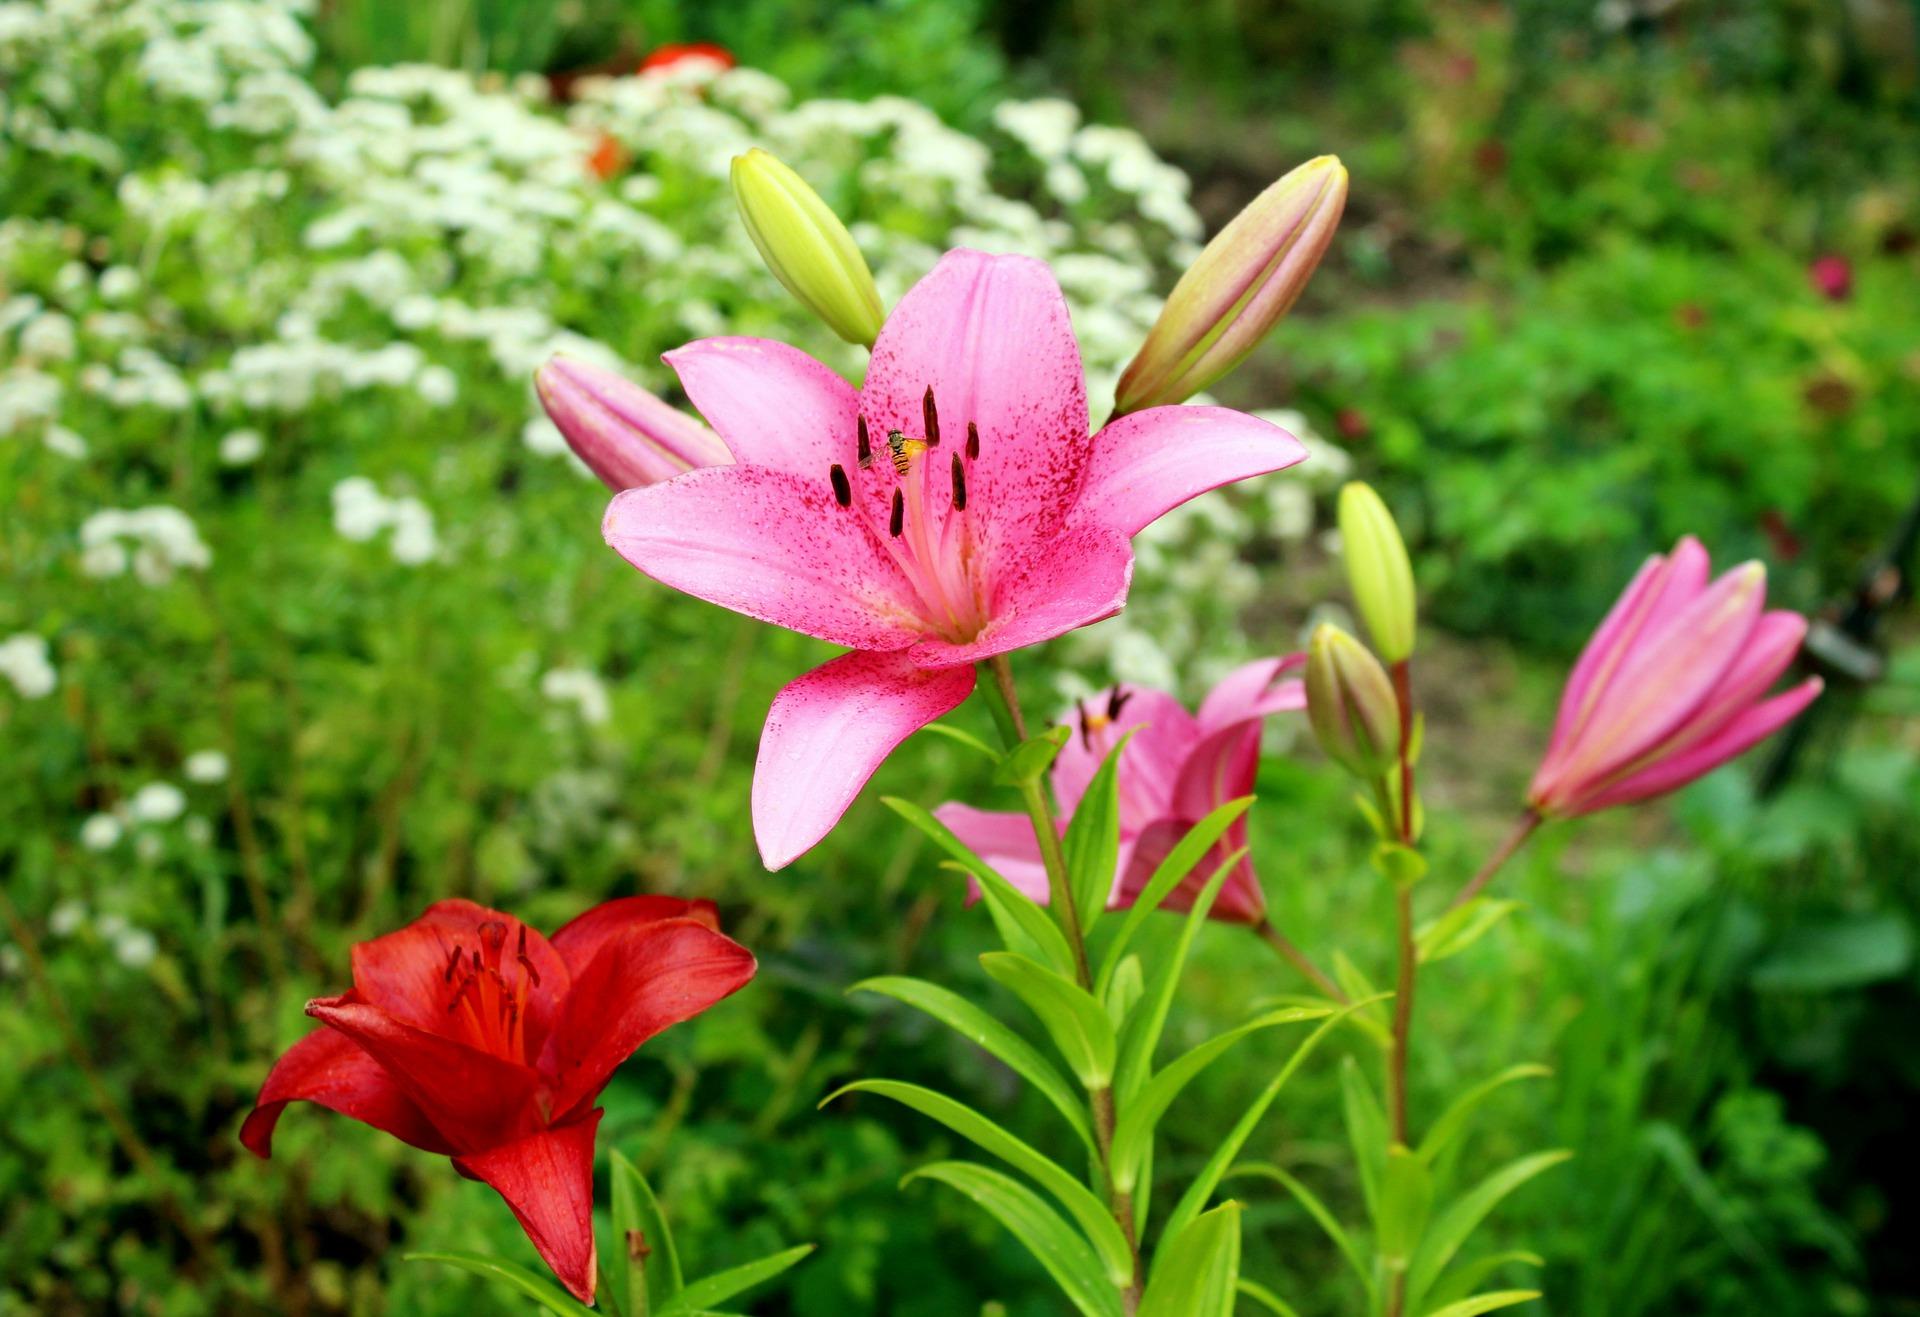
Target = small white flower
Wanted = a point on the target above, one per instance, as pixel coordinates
(118, 283)
(206, 766)
(135, 948)
(100, 832)
(61, 440)
(413, 539)
(23, 658)
(65, 919)
(438, 386)
(157, 802)
(581, 688)
(241, 447)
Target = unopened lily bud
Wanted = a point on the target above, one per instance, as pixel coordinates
(807, 247)
(624, 434)
(1378, 570)
(1239, 288)
(1351, 705)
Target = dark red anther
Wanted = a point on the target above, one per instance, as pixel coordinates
(1086, 735)
(931, 419)
(533, 975)
(973, 441)
(898, 521)
(842, 490)
(863, 444)
(1116, 702)
(959, 485)
(453, 963)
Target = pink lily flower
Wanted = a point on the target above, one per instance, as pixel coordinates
(951, 510)
(1178, 768)
(1671, 685)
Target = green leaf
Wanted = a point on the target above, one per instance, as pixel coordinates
(986, 1031)
(1134, 1132)
(1463, 1281)
(1186, 853)
(511, 1276)
(1462, 1217)
(1203, 1184)
(721, 1286)
(1848, 952)
(1092, 843)
(1460, 927)
(1059, 1248)
(1266, 1298)
(1092, 1216)
(1399, 864)
(1023, 925)
(1078, 1024)
(1453, 1121)
(968, 739)
(1028, 762)
(1406, 1196)
(1124, 992)
(636, 1210)
(1318, 1211)
(1357, 987)
(1480, 1303)
(1366, 1132)
(1142, 1034)
(1197, 1272)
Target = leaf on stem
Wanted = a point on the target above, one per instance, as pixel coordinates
(1077, 1023)
(1463, 1216)
(1186, 853)
(1028, 762)
(511, 1276)
(1460, 927)
(1142, 1034)
(1092, 843)
(721, 1286)
(1198, 1270)
(637, 1218)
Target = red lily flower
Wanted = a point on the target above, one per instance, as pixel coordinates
(469, 1034)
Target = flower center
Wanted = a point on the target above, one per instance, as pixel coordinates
(488, 1002)
(916, 505)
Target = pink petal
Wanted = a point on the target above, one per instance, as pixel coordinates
(1254, 690)
(329, 1070)
(1240, 900)
(826, 734)
(1148, 463)
(1735, 737)
(580, 938)
(1003, 840)
(990, 335)
(547, 1179)
(1222, 767)
(1164, 734)
(771, 545)
(774, 405)
(1079, 578)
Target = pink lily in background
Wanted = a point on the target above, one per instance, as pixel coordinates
(1178, 768)
(952, 510)
(624, 434)
(1670, 686)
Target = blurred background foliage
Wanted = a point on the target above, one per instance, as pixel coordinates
(1576, 308)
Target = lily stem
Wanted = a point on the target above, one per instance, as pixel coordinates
(1300, 960)
(1409, 957)
(1528, 822)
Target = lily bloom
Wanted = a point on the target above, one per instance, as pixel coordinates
(1178, 768)
(951, 510)
(467, 1033)
(1671, 685)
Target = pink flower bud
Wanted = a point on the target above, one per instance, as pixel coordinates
(1832, 278)
(1671, 685)
(624, 434)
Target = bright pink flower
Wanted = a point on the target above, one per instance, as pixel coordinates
(469, 1034)
(1832, 277)
(624, 434)
(1671, 685)
(1178, 768)
(953, 509)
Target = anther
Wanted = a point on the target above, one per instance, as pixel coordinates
(865, 444)
(842, 491)
(931, 417)
(1117, 701)
(973, 441)
(520, 953)
(898, 521)
(453, 963)
(1086, 734)
(959, 485)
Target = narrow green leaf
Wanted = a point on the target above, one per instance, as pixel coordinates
(1462, 1281)
(721, 1286)
(1088, 1211)
(1266, 1298)
(1077, 1023)
(1366, 1132)
(1453, 1121)
(1480, 1303)
(1460, 927)
(1198, 1270)
(1202, 1186)
(1142, 1034)
(1406, 1196)
(1318, 1211)
(1092, 843)
(965, 738)
(1463, 1216)
(1057, 1246)
(1186, 853)
(986, 1031)
(636, 1210)
(1356, 986)
(1123, 993)
(1028, 762)
(512, 1276)
(1134, 1132)
(1038, 936)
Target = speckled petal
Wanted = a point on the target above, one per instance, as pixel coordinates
(1078, 579)
(1149, 463)
(773, 405)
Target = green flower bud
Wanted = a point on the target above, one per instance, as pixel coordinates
(1378, 570)
(1351, 704)
(807, 247)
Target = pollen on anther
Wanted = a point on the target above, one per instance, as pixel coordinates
(959, 485)
(931, 417)
(973, 441)
(842, 490)
(898, 521)
(865, 444)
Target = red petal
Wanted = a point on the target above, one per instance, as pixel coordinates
(327, 1068)
(1240, 900)
(476, 1099)
(405, 973)
(581, 938)
(646, 978)
(547, 1179)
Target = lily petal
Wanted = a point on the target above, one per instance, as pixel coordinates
(1254, 690)
(1081, 577)
(1222, 767)
(405, 973)
(771, 545)
(991, 337)
(580, 939)
(1734, 738)
(547, 1179)
(1164, 734)
(1240, 900)
(1004, 840)
(773, 405)
(1146, 464)
(330, 1070)
(826, 734)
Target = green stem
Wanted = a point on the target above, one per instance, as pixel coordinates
(1529, 821)
(1409, 959)
(1294, 956)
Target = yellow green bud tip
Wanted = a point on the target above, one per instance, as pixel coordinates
(807, 247)
(1378, 570)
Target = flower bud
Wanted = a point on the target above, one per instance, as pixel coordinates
(807, 247)
(624, 434)
(1238, 289)
(1378, 570)
(1351, 705)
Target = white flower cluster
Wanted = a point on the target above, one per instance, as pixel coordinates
(24, 661)
(158, 541)
(582, 689)
(133, 946)
(361, 511)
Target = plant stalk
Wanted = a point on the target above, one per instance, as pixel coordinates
(1300, 960)
(1529, 821)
